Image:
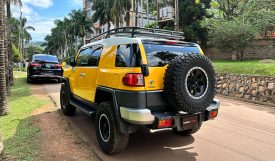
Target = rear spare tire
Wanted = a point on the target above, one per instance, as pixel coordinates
(189, 83)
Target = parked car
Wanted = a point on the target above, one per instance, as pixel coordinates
(44, 66)
(140, 77)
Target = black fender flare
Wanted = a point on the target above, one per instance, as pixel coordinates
(124, 127)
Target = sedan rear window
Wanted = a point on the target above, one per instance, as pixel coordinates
(159, 54)
(45, 58)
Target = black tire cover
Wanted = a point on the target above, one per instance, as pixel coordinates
(177, 83)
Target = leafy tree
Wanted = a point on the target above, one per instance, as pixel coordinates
(111, 11)
(26, 36)
(102, 12)
(15, 25)
(241, 22)
(118, 9)
(15, 54)
(31, 50)
(230, 8)
(261, 14)
(64, 38)
(9, 38)
(191, 13)
(233, 36)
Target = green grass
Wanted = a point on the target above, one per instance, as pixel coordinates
(21, 139)
(248, 67)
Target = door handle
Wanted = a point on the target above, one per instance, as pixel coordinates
(82, 74)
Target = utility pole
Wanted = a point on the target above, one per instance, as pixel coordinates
(177, 15)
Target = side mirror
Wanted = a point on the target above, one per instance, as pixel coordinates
(72, 61)
(145, 69)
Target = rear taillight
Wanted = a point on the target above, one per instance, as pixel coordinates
(58, 66)
(166, 123)
(213, 114)
(133, 80)
(35, 65)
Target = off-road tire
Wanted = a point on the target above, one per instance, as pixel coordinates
(187, 132)
(116, 141)
(175, 89)
(65, 96)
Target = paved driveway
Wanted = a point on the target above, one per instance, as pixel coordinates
(242, 132)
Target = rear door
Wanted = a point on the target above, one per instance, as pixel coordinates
(158, 54)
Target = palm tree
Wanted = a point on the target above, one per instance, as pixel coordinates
(26, 37)
(102, 12)
(119, 8)
(3, 89)
(10, 68)
(111, 11)
(80, 25)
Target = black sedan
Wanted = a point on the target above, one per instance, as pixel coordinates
(44, 66)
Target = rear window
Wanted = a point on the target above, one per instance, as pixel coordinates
(45, 58)
(159, 54)
(128, 56)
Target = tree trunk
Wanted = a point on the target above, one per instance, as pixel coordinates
(242, 55)
(117, 21)
(7, 64)
(3, 89)
(109, 25)
(11, 79)
(128, 18)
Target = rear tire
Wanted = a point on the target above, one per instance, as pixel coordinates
(109, 137)
(187, 132)
(65, 97)
(29, 80)
(59, 80)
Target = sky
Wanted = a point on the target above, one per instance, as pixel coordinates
(41, 14)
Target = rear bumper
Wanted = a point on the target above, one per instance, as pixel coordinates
(146, 117)
(46, 76)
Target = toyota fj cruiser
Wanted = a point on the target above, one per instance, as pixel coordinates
(135, 76)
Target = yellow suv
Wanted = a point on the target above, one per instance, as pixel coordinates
(134, 77)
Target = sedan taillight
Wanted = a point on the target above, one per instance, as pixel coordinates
(58, 66)
(35, 65)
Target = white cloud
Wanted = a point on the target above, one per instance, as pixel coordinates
(42, 28)
(39, 3)
(42, 25)
(77, 2)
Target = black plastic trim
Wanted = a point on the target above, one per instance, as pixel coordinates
(131, 99)
(124, 127)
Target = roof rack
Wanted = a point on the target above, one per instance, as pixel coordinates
(140, 32)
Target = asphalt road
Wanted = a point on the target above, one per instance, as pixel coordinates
(241, 132)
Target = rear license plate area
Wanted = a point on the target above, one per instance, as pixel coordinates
(47, 73)
(48, 66)
(189, 122)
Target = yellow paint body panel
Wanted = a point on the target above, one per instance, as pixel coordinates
(107, 75)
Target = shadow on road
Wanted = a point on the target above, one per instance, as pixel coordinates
(44, 81)
(145, 144)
